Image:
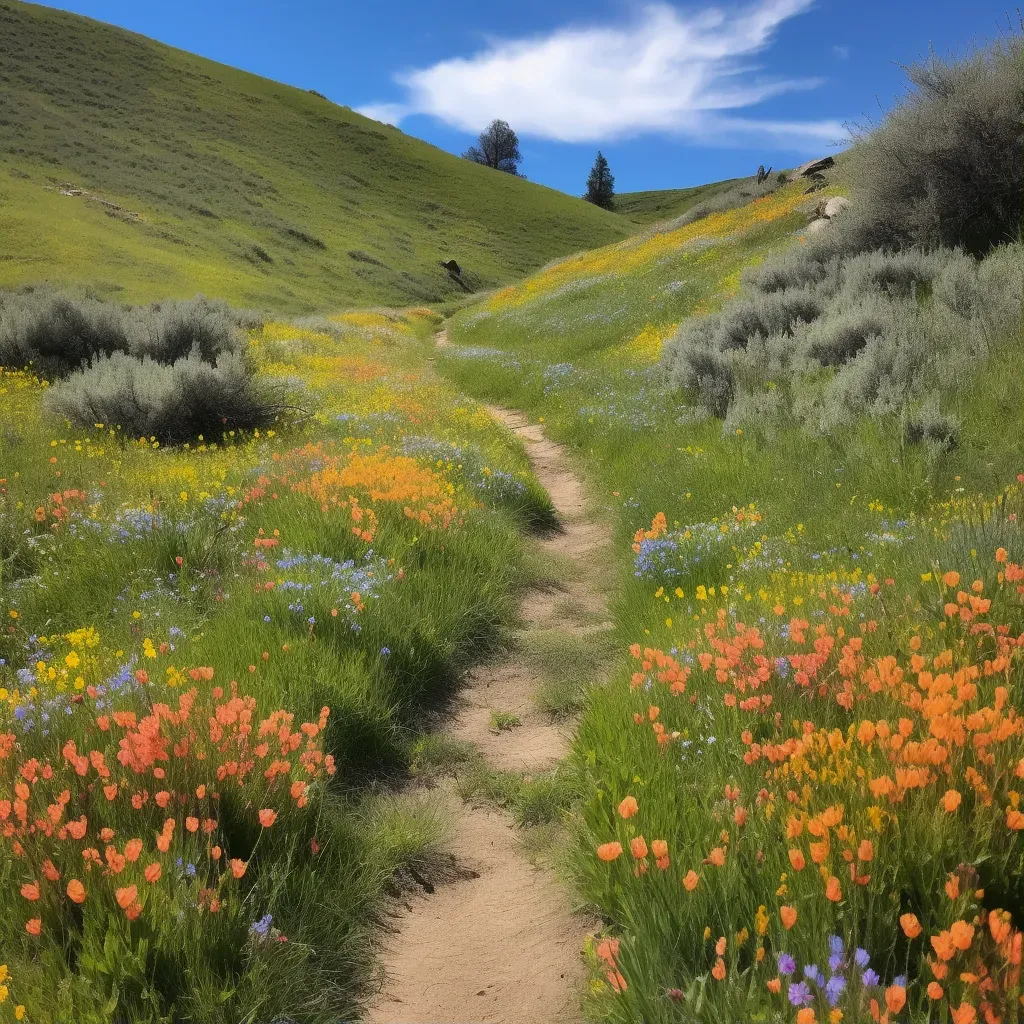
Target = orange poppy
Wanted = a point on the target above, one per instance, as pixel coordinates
(961, 934)
(965, 1013)
(76, 891)
(797, 859)
(910, 925)
(609, 851)
(238, 867)
(788, 916)
(34, 926)
(934, 990)
(132, 850)
(690, 880)
(895, 998)
(153, 872)
(30, 890)
(659, 848)
(833, 890)
(628, 807)
(951, 800)
(126, 897)
(267, 817)
(718, 971)
(639, 847)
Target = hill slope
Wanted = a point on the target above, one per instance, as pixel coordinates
(197, 176)
(664, 204)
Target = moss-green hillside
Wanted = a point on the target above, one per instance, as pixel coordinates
(664, 204)
(231, 184)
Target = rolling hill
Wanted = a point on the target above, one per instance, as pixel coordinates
(650, 207)
(139, 171)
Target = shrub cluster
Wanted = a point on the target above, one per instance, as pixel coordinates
(919, 278)
(173, 402)
(829, 339)
(171, 370)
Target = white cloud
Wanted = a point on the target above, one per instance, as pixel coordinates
(842, 52)
(669, 71)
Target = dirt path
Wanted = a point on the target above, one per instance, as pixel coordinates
(498, 943)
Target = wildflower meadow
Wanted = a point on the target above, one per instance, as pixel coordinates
(798, 798)
(208, 650)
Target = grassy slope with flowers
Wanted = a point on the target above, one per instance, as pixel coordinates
(246, 189)
(803, 785)
(206, 652)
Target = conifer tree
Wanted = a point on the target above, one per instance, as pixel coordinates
(601, 184)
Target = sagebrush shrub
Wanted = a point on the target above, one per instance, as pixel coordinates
(168, 331)
(173, 403)
(56, 334)
(946, 166)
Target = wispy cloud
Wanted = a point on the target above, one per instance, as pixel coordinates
(842, 52)
(669, 71)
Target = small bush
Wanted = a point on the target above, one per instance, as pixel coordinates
(169, 331)
(946, 167)
(174, 403)
(58, 335)
(932, 427)
(55, 334)
(839, 337)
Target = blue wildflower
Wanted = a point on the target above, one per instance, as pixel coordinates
(834, 989)
(787, 965)
(799, 994)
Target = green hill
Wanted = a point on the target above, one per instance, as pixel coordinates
(188, 176)
(664, 204)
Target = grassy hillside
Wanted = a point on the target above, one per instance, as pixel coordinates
(664, 204)
(198, 176)
(796, 787)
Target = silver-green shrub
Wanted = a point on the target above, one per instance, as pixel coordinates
(173, 402)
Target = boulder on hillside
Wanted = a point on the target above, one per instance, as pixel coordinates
(452, 267)
(814, 167)
(835, 206)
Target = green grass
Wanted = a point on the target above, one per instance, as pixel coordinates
(239, 187)
(576, 347)
(222, 575)
(664, 204)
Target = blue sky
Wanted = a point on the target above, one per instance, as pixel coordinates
(674, 93)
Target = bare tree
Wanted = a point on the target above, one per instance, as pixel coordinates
(498, 147)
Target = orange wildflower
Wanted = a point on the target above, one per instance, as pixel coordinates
(774, 985)
(951, 800)
(237, 867)
(609, 851)
(267, 817)
(953, 887)
(639, 847)
(690, 880)
(127, 896)
(628, 807)
(910, 925)
(965, 1013)
(76, 891)
(153, 872)
(961, 934)
(833, 890)
(797, 859)
(934, 990)
(34, 926)
(788, 915)
(718, 971)
(30, 890)
(132, 850)
(895, 998)
(806, 1015)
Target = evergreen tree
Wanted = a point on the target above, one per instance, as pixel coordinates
(498, 148)
(601, 184)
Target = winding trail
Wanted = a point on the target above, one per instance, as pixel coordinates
(496, 941)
